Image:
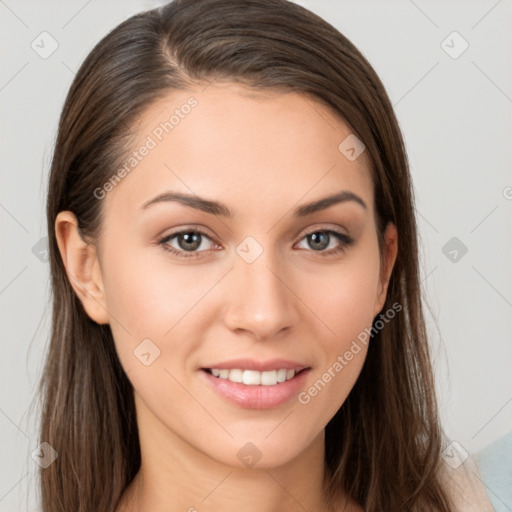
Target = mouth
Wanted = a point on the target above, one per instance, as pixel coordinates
(251, 384)
(255, 377)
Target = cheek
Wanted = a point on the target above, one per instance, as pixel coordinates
(149, 297)
(328, 390)
(346, 308)
(149, 294)
(346, 301)
(343, 295)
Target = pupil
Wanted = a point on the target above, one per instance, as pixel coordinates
(189, 241)
(319, 240)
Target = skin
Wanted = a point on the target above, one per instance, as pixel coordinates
(262, 155)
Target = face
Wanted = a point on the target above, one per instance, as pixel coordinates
(219, 251)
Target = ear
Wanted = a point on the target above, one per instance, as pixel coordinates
(82, 267)
(390, 252)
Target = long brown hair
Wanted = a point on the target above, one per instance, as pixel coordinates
(383, 445)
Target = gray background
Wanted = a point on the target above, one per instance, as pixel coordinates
(456, 115)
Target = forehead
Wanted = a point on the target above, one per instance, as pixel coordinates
(240, 145)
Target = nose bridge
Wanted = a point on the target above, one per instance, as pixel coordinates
(259, 301)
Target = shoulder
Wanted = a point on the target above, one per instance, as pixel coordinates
(463, 482)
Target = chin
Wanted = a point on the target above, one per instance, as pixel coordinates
(260, 453)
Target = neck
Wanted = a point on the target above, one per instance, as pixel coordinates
(175, 476)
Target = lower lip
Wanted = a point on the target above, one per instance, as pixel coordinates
(257, 397)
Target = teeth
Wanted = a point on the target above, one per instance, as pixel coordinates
(253, 377)
(235, 375)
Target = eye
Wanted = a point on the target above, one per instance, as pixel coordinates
(191, 241)
(326, 240)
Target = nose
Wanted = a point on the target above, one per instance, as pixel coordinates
(259, 299)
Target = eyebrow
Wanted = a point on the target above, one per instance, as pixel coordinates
(217, 208)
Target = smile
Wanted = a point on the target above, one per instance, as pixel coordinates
(254, 377)
(253, 389)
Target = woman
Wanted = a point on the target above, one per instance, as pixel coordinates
(237, 319)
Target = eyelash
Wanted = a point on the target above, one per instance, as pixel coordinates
(345, 242)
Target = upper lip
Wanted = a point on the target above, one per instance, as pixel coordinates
(261, 366)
